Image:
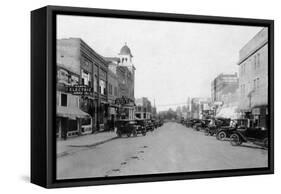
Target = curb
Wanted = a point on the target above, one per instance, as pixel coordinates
(67, 153)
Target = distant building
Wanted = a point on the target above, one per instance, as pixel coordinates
(222, 85)
(144, 110)
(253, 75)
(200, 108)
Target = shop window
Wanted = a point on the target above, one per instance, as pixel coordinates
(63, 100)
(86, 121)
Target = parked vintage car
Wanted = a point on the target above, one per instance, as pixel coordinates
(226, 131)
(160, 123)
(188, 123)
(154, 123)
(130, 127)
(202, 125)
(213, 128)
(256, 135)
(141, 126)
(150, 125)
(194, 122)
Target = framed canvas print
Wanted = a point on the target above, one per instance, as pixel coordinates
(126, 96)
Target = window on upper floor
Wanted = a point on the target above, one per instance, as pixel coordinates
(74, 80)
(115, 91)
(85, 78)
(242, 88)
(258, 60)
(255, 62)
(256, 83)
(63, 100)
(95, 83)
(63, 76)
(102, 87)
(109, 89)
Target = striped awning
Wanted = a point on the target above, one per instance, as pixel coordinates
(228, 112)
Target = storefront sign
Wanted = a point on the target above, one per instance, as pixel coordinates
(79, 90)
(124, 100)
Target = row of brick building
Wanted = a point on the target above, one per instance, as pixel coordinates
(92, 91)
(246, 95)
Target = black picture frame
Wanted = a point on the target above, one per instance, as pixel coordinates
(43, 99)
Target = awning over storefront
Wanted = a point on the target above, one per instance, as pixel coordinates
(228, 112)
(71, 112)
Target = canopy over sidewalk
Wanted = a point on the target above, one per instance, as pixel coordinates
(71, 112)
(228, 112)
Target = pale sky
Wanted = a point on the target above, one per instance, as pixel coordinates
(173, 60)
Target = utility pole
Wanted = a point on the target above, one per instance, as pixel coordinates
(154, 109)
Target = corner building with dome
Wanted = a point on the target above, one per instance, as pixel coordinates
(122, 105)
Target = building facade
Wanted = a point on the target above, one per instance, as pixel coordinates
(70, 117)
(122, 66)
(89, 71)
(112, 96)
(144, 110)
(253, 75)
(222, 85)
(200, 108)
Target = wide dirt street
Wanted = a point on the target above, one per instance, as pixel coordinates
(170, 148)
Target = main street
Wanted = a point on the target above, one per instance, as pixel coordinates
(170, 148)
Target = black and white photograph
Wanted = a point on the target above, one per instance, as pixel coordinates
(146, 97)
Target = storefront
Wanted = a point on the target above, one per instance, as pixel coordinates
(69, 121)
(127, 108)
(112, 116)
(260, 116)
(102, 116)
(228, 112)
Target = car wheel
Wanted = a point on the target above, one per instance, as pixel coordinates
(221, 135)
(144, 133)
(128, 134)
(235, 140)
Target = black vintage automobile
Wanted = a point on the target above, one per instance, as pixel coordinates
(202, 125)
(188, 123)
(256, 135)
(226, 131)
(154, 123)
(218, 124)
(141, 126)
(129, 127)
(160, 123)
(194, 122)
(150, 125)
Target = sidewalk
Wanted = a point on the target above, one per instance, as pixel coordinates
(74, 144)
